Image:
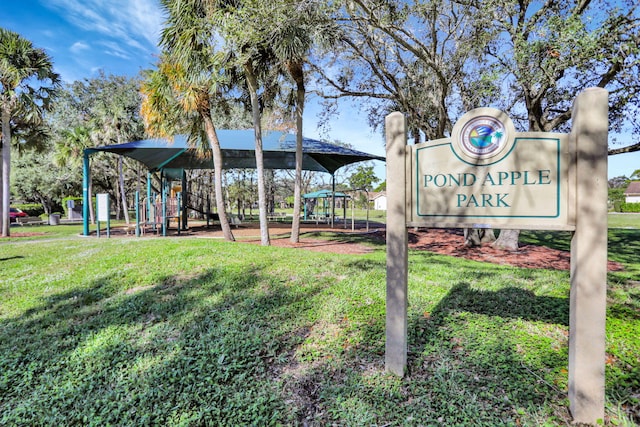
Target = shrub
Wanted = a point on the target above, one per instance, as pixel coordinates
(630, 207)
(617, 206)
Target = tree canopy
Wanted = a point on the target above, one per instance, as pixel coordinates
(435, 60)
(27, 84)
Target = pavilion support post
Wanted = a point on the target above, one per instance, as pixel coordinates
(137, 213)
(178, 209)
(344, 211)
(86, 179)
(333, 198)
(588, 295)
(185, 200)
(163, 187)
(397, 246)
(149, 197)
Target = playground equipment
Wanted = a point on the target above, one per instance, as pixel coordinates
(325, 204)
(168, 156)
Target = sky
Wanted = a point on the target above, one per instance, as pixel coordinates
(120, 37)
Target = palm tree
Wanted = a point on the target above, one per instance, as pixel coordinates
(116, 118)
(69, 152)
(252, 86)
(291, 43)
(242, 26)
(20, 62)
(184, 88)
(296, 27)
(70, 148)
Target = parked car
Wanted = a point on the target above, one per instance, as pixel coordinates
(15, 213)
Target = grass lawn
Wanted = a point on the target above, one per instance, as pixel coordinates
(624, 220)
(186, 331)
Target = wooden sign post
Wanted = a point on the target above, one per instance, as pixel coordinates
(487, 175)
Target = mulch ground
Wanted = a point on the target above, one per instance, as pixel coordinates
(448, 242)
(441, 241)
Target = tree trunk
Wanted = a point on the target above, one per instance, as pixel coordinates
(123, 193)
(295, 69)
(1, 175)
(214, 143)
(92, 214)
(474, 237)
(116, 196)
(252, 83)
(508, 239)
(6, 169)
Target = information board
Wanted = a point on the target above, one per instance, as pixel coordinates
(102, 207)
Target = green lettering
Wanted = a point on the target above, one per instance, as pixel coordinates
(526, 179)
(502, 176)
(515, 175)
(544, 177)
(468, 179)
(486, 200)
(452, 180)
(472, 200)
(501, 201)
(488, 178)
(443, 180)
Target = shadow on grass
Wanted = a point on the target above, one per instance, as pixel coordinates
(372, 238)
(221, 348)
(623, 244)
(11, 257)
(199, 348)
(458, 374)
(509, 302)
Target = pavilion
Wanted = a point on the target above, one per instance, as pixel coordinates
(172, 157)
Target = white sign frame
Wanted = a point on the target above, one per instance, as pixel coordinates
(585, 214)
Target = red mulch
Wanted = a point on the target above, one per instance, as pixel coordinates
(441, 241)
(26, 234)
(451, 242)
(448, 242)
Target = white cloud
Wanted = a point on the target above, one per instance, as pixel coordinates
(133, 24)
(114, 49)
(78, 47)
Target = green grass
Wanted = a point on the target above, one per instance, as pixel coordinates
(624, 220)
(358, 214)
(187, 331)
(39, 232)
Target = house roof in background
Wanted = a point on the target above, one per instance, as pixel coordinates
(633, 188)
(374, 196)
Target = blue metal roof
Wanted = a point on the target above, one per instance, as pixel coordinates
(238, 152)
(323, 194)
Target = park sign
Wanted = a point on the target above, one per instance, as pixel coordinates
(486, 174)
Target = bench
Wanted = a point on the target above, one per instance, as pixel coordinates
(30, 220)
(234, 220)
(277, 216)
